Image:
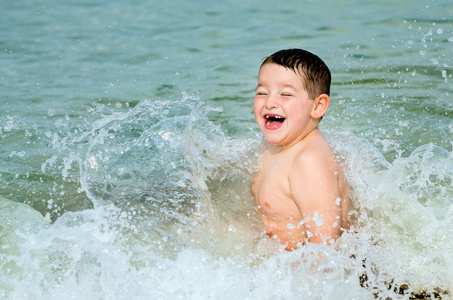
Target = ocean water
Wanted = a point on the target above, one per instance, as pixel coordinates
(128, 143)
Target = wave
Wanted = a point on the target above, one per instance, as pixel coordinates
(172, 216)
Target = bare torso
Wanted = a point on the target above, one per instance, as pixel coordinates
(284, 217)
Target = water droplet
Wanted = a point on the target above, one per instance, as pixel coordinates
(317, 219)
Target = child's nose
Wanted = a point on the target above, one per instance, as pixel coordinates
(271, 102)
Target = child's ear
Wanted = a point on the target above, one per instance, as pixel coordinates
(320, 107)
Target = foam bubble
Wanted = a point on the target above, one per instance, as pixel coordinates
(173, 217)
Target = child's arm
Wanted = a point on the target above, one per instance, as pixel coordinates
(314, 187)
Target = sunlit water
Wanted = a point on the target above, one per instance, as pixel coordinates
(128, 143)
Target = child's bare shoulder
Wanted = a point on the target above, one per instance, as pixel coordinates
(314, 154)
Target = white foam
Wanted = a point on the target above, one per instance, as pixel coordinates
(174, 218)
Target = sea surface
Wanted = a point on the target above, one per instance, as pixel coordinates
(128, 142)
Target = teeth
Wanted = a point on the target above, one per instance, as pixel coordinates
(269, 118)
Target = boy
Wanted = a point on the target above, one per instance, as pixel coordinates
(299, 188)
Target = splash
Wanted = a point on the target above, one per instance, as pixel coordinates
(172, 216)
(160, 163)
(403, 212)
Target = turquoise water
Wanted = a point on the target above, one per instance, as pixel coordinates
(128, 142)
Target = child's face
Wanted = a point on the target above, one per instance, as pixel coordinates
(282, 105)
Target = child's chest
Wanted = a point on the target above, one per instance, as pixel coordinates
(270, 185)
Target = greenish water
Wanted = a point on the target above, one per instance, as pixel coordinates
(128, 143)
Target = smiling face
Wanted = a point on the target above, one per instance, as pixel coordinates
(282, 106)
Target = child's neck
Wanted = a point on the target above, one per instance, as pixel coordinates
(274, 149)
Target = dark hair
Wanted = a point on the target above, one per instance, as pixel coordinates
(315, 74)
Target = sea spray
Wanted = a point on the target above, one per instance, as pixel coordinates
(156, 162)
(172, 208)
(403, 211)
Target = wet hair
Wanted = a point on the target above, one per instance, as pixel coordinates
(315, 74)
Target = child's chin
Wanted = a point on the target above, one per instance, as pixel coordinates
(274, 141)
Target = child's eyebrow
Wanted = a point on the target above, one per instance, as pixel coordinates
(288, 85)
(282, 85)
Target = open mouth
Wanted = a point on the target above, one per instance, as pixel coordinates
(273, 121)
